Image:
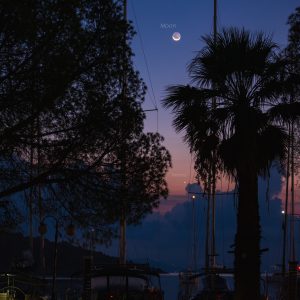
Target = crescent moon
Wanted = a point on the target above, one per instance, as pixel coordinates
(176, 36)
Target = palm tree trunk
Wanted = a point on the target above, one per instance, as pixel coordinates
(247, 240)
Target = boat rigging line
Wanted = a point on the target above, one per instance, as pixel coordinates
(152, 94)
(153, 100)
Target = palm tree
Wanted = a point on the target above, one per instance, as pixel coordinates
(228, 119)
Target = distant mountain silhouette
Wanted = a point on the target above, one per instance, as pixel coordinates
(15, 255)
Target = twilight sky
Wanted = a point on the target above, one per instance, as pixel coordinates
(156, 20)
(165, 238)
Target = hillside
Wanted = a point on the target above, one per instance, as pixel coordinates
(15, 254)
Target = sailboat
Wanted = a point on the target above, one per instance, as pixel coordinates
(131, 282)
(286, 283)
(211, 283)
(188, 284)
(214, 287)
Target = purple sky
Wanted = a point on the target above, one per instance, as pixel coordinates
(167, 60)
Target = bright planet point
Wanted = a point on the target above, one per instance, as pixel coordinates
(176, 36)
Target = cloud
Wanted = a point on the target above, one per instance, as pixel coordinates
(166, 240)
(193, 188)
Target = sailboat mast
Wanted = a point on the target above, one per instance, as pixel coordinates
(292, 278)
(122, 245)
(293, 250)
(194, 235)
(213, 182)
(207, 249)
(125, 11)
(215, 20)
(285, 220)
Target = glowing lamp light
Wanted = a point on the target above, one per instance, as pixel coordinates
(70, 230)
(193, 196)
(298, 268)
(283, 212)
(42, 228)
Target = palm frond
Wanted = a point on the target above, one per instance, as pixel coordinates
(272, 142)
(235, 51)
(285, 112)
(179, 96)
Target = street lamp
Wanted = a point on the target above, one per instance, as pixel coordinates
(70, 230)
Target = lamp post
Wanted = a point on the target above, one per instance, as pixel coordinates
(43, 230)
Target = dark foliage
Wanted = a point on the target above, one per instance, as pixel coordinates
(65, 113)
